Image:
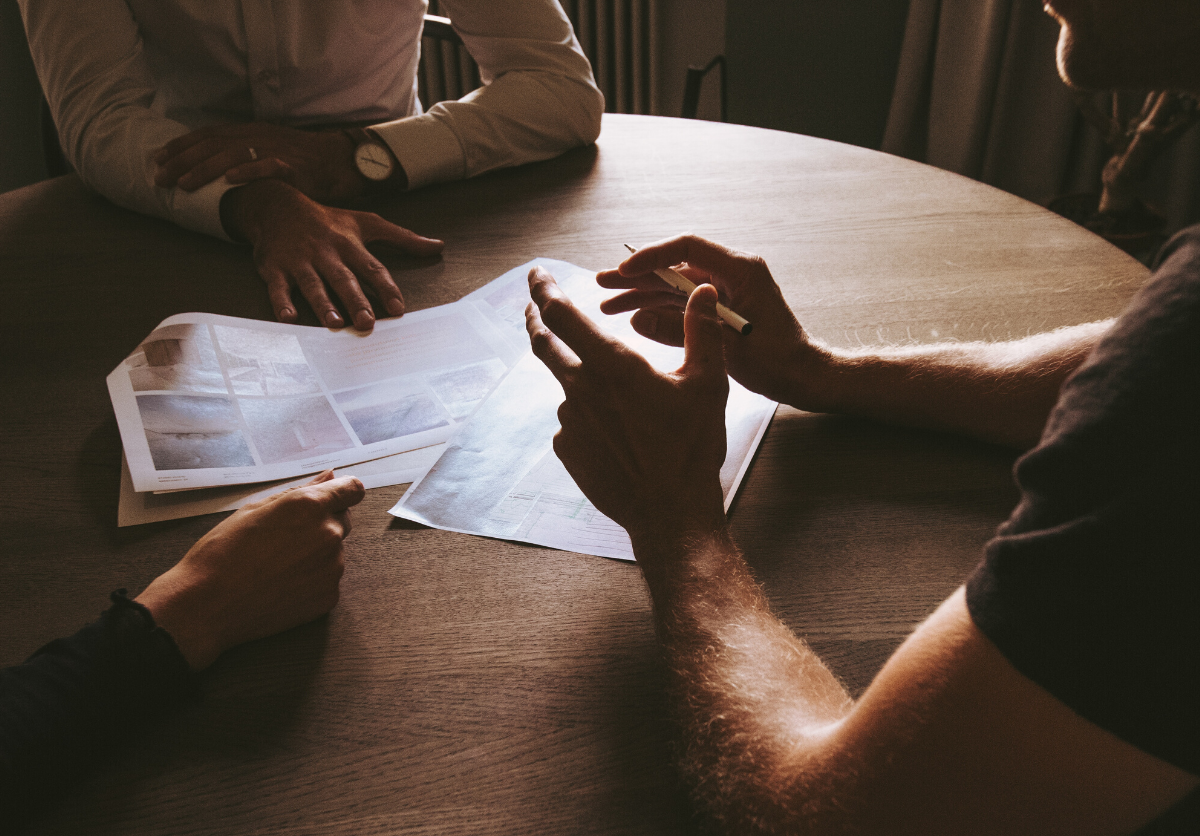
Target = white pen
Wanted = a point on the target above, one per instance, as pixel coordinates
(681, 282)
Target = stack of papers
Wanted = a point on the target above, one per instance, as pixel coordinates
(215, 412)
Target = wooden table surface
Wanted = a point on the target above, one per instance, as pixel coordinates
(466, 685)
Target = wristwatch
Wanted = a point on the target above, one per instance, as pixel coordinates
(372, 157)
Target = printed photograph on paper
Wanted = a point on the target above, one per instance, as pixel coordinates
(262, 363)
(391, 409)
(177, 358)
(186, 432)
(288, 429)
(509, 301)
(462, 389)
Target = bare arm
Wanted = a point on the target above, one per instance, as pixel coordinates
(949, 738)
(1000, 392)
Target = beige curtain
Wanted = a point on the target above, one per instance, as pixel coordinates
(977, 92)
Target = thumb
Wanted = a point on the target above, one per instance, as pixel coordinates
(340, 494)
(703, 340)
(377, 229)
(324, 476)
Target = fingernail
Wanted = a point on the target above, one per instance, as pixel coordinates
(395, 307)
(333, 320)
(364, 320)
(287, 314)
(650, 319)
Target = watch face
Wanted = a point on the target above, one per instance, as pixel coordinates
(374, 161)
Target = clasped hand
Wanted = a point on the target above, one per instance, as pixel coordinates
(315, 162)
(285, 176)
(646, 447)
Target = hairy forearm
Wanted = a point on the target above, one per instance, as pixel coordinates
(997, 392)
(754, 703)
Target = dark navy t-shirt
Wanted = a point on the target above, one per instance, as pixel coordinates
(1092, 587)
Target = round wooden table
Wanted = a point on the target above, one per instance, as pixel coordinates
(466, 685)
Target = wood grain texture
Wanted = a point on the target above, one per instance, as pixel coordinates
(466, 685)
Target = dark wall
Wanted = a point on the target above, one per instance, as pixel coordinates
(819, 67)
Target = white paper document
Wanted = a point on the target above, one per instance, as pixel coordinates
(499, 476)
(137, 508)
(209, 400)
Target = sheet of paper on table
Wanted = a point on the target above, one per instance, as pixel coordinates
(209, 400)
(136, 508)
(499, 477)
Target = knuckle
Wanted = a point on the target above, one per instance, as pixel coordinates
(277, 282)
(755, 261)
(539, 340)
(377, 271)
(341, 277)
(305, 502)
(554, 309)
(331, 532)
(310, 284)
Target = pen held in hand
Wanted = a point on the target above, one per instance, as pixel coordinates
(681, 282)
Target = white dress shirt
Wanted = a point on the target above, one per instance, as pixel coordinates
(124, 77)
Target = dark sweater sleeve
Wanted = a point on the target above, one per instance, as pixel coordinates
(78, 698)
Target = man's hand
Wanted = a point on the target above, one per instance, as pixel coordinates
(318, 163)
(776, 359)
(272, 565)
(645, 447)
(299, 243)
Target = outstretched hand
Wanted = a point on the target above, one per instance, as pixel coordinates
(318, 163)
(300, 244)
(272, 565)
(777, 359)
(646, 447)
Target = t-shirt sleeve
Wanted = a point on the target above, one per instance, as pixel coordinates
(77, 698)
(1091, 587)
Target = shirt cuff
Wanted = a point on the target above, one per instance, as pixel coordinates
(201, 210)
(428, 151)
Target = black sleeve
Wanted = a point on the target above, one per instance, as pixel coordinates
(1092, 587)
(77, 698)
